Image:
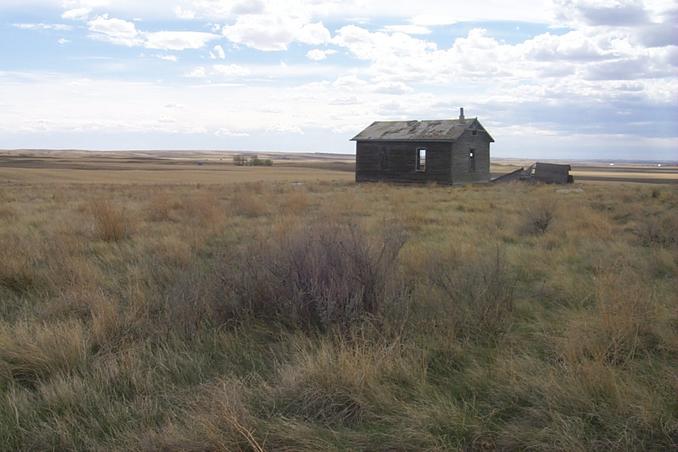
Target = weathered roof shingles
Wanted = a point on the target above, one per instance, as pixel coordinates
(437, 130)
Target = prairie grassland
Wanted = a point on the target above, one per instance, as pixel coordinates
(185, 174)
(278, 316)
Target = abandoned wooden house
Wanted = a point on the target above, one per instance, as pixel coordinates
(454, 151)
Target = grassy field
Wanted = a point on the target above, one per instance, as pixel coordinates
(164, 309)
(185, 167)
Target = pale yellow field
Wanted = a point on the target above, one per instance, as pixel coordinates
(171, 175)
(180, 168)
(630, 174)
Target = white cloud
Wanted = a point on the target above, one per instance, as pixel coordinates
(185, 14)
(171, 58)
(570, 46)
(177, 40)
(122, 32)
(115, 31)
(249, 7)
(285, 128)
(222, 132)
(274, 33)
(313, 33)
(263, 73)
(421, 12)
(319, 55)
(217, 53)
(392, 88)
(198, 72)
(230, 70)
(42, 26)
(602, 12)
(409, 29)
(367, 45)
(119, 108)
(77, 14)
(63, 41)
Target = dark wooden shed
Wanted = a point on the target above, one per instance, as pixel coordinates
(454, 151)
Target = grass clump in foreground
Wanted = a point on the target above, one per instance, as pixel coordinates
(334, 316)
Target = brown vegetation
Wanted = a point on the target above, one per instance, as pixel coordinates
(111, 222)
(273, 316)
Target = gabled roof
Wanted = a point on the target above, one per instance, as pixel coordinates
(437, 130)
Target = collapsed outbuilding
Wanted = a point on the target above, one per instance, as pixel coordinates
(548, 173)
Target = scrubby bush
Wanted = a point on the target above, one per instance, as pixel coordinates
(654, 230)
(240, 160)
(538, 217)
(260, 162)
(317, 276)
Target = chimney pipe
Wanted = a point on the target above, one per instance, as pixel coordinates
(461, 114)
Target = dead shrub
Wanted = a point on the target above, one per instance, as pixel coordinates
(538, 217)
(111, 223)
(319, 275)
(249, 205)
(478, 288)
(658, 231)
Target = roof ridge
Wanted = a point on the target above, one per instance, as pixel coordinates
(427, 129)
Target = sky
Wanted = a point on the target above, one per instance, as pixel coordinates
(584, 79)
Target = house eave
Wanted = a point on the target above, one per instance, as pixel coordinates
(406, 140)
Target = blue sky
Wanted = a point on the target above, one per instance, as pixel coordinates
(557, 79)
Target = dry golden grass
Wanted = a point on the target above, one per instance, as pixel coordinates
(112, 223)
(295, 203)
(249, 205)
(279, 316)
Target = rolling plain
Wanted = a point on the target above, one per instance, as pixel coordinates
(173, 301)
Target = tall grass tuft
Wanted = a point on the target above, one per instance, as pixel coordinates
(160, 207)
(478, 291)
(31, 352)
(111, 223)
(249, 205)
(16, 268)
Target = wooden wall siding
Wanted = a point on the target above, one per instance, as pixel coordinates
(552, 173)
(394, 161)
(460, 158)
